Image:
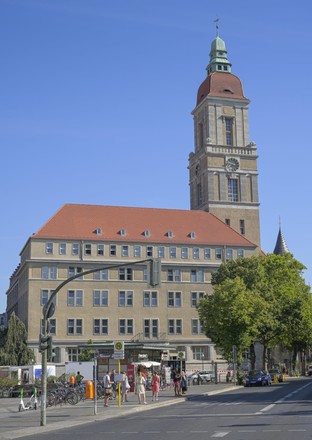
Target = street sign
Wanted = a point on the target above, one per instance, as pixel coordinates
(119, 350)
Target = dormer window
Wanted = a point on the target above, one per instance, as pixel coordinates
(147, 233)
(98, 231)
(193, 235)
(122, 232)
(170, 234)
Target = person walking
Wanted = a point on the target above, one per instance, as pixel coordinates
(114, 384)
(108, 383)
(140, 387)
(155, 386)
(124, 387)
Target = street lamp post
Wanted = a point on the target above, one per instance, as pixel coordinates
(48, 310)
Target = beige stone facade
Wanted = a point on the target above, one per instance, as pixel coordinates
(118, 303)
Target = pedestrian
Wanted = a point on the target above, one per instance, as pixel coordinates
(183, 383)
(155, 386)
(107, 387)
(124, 386)
(114, 384)
(228, 376)
(176, 381)
(140, 382)
(79, 378)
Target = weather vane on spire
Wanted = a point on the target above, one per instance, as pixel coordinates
(217, 26)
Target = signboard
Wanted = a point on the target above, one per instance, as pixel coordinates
(119, 350)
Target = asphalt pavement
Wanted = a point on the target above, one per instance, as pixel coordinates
(17, 424)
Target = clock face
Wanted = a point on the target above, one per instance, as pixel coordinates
(232, 164)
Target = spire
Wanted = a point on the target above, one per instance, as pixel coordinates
(218, 55)
(281, 246)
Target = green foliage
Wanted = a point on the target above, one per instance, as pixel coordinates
(86, 355)
(14, 350)
(259, 299)
(8, 382)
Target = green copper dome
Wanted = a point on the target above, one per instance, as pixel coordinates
(218, 57)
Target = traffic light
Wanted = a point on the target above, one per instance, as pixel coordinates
(51, 353)
(155, 274)
(43, 343)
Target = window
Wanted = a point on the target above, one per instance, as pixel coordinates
(198, 353)
(175, 326)
(150, 328)
(174, 299)
(197, 327)
(137, 250)
(207, 253)
(125, 274)
(87, 249)
(100, 249)
(125, 251)
(62, 248)
(149, 251)
(74, 271)
(100, 326)
(147, 233)
(45, 295)
(197, 276)
(173, 252)
(100, 298)
(240, 253)
(101, 275)
(229, 254)
(126, 326)
(112, 250)
(52, 326)
(218, 254)
(161, 252)
(242, 227)
(75, 249)
(74, 298)
(150, 298)
(170, 234)
(73, 354)
(74, 326)
(196, 253)
(229, 131)
(228, 222)
(145, 274)
(49, 273)
(196, 297)
(233, 190)
(123, 232)
(125, 298)
(184, 252)
(193, 235)
(174, 275)
(49, 248)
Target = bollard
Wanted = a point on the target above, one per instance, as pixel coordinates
(89, 390)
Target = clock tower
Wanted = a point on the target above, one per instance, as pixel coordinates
(223, 173)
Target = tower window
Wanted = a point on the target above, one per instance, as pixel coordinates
(233, 190)
(242, 227)
(228, 221)
(229, 131)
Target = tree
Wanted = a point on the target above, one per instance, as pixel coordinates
(264, 298)
(86, 355)
(15, 350)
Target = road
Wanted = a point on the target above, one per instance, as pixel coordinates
(282, 411)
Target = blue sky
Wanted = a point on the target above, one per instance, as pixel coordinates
(96, 101)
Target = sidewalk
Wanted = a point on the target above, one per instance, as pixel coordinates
(15, 424)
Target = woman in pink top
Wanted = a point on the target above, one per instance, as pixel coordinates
(155, 386)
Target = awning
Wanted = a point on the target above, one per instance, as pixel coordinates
(147, 364)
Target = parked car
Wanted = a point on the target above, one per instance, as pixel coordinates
(258, 377)
(276, 372)
(309, 370)
(200, 377)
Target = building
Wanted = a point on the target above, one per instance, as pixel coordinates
(116, 302)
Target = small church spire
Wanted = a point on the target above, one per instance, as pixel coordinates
(281, 246)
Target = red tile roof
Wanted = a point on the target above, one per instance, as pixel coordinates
(221, 84)
(80, 222)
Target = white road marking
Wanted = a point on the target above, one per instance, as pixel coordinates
(220, 434)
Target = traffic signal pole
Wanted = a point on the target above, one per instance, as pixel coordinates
(48, 310)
